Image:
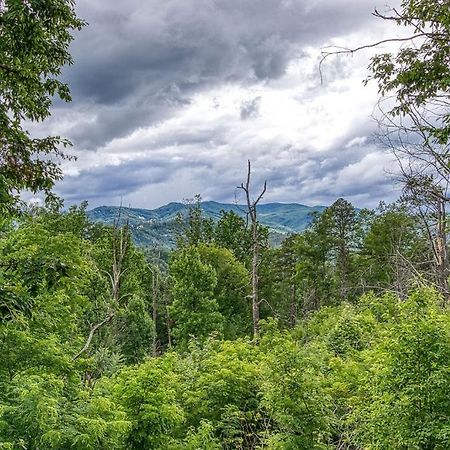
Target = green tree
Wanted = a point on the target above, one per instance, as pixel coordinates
(294, 393)
(124, 303)
(327, 254)
(44, 411)
(44, 400)
(417, 122)
(34, 47)
(194, 227)
(202, 437)
(393, 251)
(417, 75)
(279, 283)
(45, 276)
(222, 387)
(194, 308)
(343, 230)
(150, 395)
(232, 233)
(133, 330)
(315, 273)
(231, 290)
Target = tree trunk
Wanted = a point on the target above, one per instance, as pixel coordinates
(251, 212)
(440, 252)
(343, 271)
(154, 310)
(255, 264)
(293, 305)
(119, 252)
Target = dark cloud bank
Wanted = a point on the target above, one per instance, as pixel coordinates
(139, 64)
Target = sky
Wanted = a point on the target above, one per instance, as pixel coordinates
(172, 97)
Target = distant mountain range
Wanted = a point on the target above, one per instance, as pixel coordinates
(157, 227)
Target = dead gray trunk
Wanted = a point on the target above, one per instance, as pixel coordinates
(252, 214)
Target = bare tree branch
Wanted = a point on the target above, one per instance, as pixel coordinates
(252, 213)
(94, 328)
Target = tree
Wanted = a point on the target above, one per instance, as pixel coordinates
(150, 395)
(44, 276)
(231, 290)
(194, 308)
(344, 223)
(394, 251)
(315, 270)
(222, 386)
(43, 411)
(203, 437)
(279, 282)
(417, 126)
(232, 233)
(194, 227)
(414, 81)
(119, 240)
(417, 75)
(35, 36)
(134, 329)
(429, 202)
(120, 315)
(252, 214)
(294, 394)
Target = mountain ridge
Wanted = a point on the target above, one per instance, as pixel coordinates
(157, 227)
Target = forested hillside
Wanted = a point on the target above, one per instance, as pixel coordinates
(338, 338)
(158, 228)
(104, 349)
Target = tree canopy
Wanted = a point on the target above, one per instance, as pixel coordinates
(35, 38)
(104, 347)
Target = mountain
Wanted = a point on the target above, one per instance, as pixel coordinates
(157, 227)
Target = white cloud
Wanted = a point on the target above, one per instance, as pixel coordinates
(310, 140)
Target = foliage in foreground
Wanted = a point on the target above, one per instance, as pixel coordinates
(371, 374)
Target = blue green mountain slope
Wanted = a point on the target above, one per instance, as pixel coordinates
(157, 227)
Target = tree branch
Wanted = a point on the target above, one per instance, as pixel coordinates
(351, 51)
(94, 328)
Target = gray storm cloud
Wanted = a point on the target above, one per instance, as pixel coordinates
(140, 65)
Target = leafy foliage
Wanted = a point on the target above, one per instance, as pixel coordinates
(102, 348)
(194, 308)
(418, 74)
(34, 47)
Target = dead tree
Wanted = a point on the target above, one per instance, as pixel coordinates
(119, 241)
(425, 175)
(416, 125)
(429, 199)
(252, 215)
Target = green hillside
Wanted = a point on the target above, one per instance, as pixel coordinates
(157, 227)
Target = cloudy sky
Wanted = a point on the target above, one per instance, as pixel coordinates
(171, 97)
